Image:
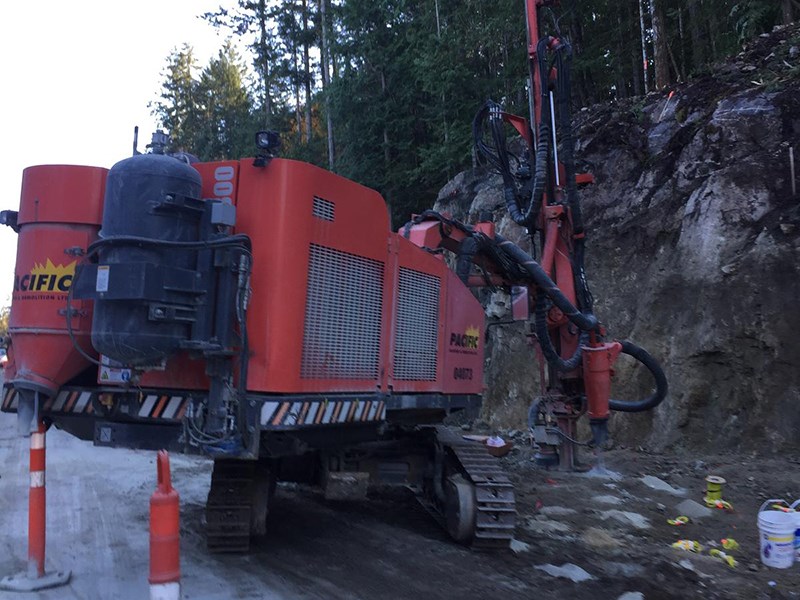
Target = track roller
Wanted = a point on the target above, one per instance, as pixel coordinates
(459, 509)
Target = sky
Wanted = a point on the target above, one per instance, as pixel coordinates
(77, 76)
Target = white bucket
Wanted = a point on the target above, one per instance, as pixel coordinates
(776, 532)
(796, 507)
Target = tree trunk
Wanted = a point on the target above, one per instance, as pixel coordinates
(787, 14)
(386, 153)
(678, 75)
(636, 71)
(307, 71)
(576, 36)
(682, 39)
(620, 62)
(296, 85)
(713, 35)
(644, 47)
(323, 52)
(660, 48)
(698, 56)
(633, 55)
(266, 99)
(444, 98)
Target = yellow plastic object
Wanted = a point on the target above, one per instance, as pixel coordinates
(714, 488)
(723, 504)
(725, 557)
(730, 544)
(690, 545)
(678, 520)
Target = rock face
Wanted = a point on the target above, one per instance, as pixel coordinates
(692, 253)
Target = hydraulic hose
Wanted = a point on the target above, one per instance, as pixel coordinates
(584, 321)
(653, 400)
(564, 93)
(498, 158)
(239, 239)
(585, 298)
(529, 217)
(546, 344)
(466, 252)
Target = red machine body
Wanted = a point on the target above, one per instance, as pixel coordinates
(311, 231)
(60, 212)
(402, 323)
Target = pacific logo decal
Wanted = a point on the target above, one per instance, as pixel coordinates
(45, 279)
(465, 342)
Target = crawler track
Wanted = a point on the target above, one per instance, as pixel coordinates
(494, 505)
(229, 507)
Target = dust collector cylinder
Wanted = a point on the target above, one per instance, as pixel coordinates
(144, 199)
(59, 215)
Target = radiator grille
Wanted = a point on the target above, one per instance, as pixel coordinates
(417, 326)
(323, 209)
(341, 338)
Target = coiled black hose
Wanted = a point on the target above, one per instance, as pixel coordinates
(584, 321)
(466, 252)
(662, 387)
(546, 344)
(498, 158)
(529, 217)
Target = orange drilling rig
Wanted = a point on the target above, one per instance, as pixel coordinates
(263, 312)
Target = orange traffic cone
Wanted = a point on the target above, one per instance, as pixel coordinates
(165, 559)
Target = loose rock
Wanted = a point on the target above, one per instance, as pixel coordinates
(661, 485)
(600, 539)
(557, 511)
(627, 518)
(693, 510)
(518, 547)
(607, 499)
(567, 571)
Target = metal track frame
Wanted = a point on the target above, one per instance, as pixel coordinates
(493, 500)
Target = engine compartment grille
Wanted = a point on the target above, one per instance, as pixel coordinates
(342, 332)
(416, 326)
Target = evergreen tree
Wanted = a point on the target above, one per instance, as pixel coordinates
(177, 108)
(398, 81)
(227, 125)
(255, 19)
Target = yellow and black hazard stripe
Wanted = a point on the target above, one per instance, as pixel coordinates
(321, 412)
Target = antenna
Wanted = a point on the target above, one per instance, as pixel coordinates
(135, 140)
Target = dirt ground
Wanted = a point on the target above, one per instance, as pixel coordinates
(613, 527)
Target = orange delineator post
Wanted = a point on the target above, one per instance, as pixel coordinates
(165, 561)
(37, 507)
(35, 578)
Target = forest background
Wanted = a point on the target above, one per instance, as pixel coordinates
(384, 91)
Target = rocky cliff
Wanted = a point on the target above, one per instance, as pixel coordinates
(692, 253)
